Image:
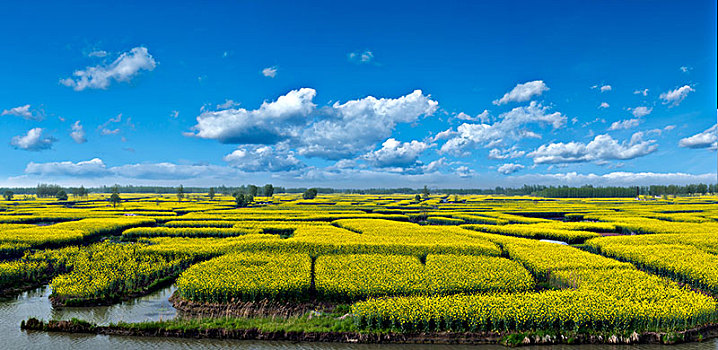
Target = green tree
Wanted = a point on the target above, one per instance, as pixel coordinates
(79, 192)
(180, 193)
(425, 193)
(310, 193)
(211, 193)
(61, 195)
(115, 196)
(240, 200)
(253, 190)
(417, 198)
(268, 190)
(8, 195)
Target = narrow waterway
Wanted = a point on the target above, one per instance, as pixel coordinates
(156, 306)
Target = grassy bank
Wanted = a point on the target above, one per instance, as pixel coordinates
(329, 328)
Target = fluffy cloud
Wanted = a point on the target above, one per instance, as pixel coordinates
(263, 158)
(331, 132)
(91, 168)
(639, 112)
(32, 141)
(360, 57)
(270, 72)
(270, 123)
(23, 112)
(510, 168)
(481, 117)
(512, 152)
(123, 69)
(523, 92)
(605, 88)
(464, 171)
(355, 127)
(604, 105)
(705, 139)
(675, 97)
(511, 126)
(602, 148)
(394, 153)
(78, 133)
(625, 124)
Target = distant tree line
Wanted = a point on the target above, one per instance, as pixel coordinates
(604, 192)
(268, 190)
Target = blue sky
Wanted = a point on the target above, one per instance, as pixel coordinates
(377, 94)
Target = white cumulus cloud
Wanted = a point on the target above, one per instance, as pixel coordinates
(122, 69)
(523, 92)
(464, 171)
(270, 123)
(641, 111)
(394, 153)
(625, 124)
(676, 96)
(89, 168)
(510, 168)
(23, 112)
(263, 158)
(705, 139)
(511, 126)
(483, 117)
(355, 127)
(331, 132)
(604, 105)
(512, 152)
(602, 148)
(32, 141)
(78, 132)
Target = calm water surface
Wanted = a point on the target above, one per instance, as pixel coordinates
(156, 307)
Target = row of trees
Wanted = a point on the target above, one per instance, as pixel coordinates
(268, 190)
(250, 191)
(604, 192)
(588, 192)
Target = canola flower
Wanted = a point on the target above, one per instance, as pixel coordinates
(613, 300)
(351, 277)
(469, 265)
(685, 263)
(247, 277)
(108, 271)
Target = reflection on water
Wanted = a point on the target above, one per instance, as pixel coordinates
(35, 303)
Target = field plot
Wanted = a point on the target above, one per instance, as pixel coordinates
(375, 264)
